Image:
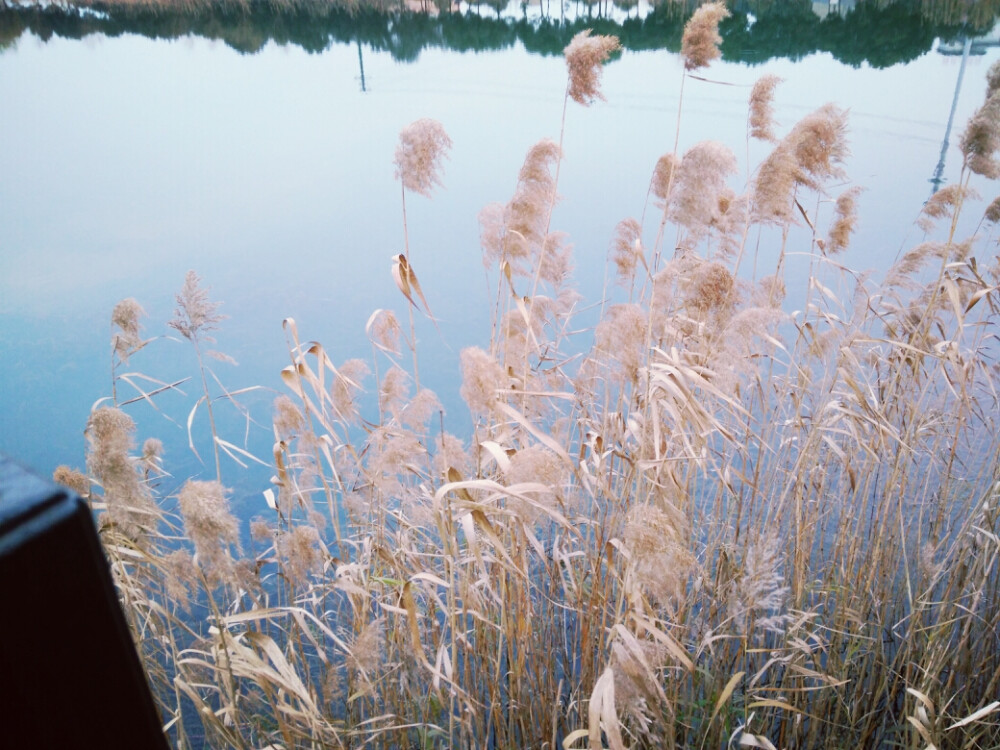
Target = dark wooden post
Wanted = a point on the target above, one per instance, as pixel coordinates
(69, 673)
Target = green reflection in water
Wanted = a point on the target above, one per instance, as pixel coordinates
(878, 34)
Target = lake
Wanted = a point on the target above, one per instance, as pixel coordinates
(257, 147)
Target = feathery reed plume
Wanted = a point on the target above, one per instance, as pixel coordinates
(728, 221)
(423, 145)
(699, 182)
(384, 331)
(992, 213)
(418, 412)
(110, 438)
(555, 263)
(663, 176)
(709, 286)
(812, 152)
(626, 249)
(365, 653)
(943, 204)
(637, 664)
(288, 421)
(540, 466)
(526, 215)
(73, 479)
(152, 457)
(195, 313)
(820, 145)
(701, 40)
(762, 108)
(845, 217)
(128, 338)
(346, 388)
(660, 560)
(981, 139)
(451, 454)
(211, 527)
(757, 598)
(774, 187)
(395, 391)
(300, 553)
(585, 55)
(483, 379)
(491, 233)
(620, 340)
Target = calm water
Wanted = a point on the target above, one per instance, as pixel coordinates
(127, 160)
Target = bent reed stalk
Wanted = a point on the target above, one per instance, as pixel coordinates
(723, 525)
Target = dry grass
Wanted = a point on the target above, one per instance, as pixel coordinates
(726, 525)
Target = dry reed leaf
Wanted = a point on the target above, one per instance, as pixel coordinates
(635, 650)
(499, 454)
(976, 716)
(406, 280)
(541, 437)
(231, 450)
(190, 421)
(922, 731)
(601, 713)
(576, 734)
(773, 703)
(922, 698)
(308, 632)
(410, 605)
(269, 498)
(675, 648)
(726, 692)
(754, 740)
(454, 475)
(268, 613)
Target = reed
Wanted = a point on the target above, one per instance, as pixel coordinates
(723, 524)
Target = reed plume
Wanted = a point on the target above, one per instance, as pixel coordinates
(195, 312)
(701, 39)
(585, 55)
(762, 108)
(980, 140)
(211, 527)
(845, 218)
(423, 146)
(992, 213)
(127, 339)
(128, 501)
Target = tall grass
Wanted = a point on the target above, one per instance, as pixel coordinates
(722, 524)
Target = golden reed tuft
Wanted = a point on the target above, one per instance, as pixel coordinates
(585, 55)
(701, 40)
(762, 108)
(422, 147)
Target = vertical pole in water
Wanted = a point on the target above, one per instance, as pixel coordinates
(937, 180)
(361, 64)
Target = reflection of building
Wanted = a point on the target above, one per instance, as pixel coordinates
(823, 8)
(978, 46)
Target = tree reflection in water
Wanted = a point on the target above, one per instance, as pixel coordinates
(878, 34)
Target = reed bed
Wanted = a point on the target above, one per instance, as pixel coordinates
(707, 522)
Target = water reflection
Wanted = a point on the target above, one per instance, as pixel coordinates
(852, 31)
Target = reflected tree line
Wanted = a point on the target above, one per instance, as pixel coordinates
(877, 32)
